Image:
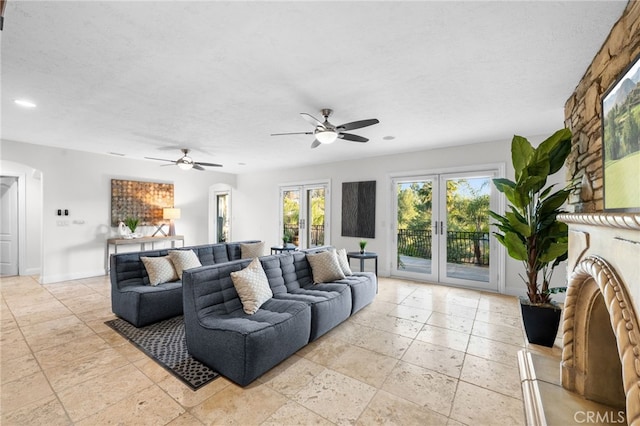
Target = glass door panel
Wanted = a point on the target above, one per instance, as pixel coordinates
(415, 255)
(291, 215)
(222, 217)
(464, 212)
(316, 219)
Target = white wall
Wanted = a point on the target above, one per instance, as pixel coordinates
(81, 183)
(256, 203)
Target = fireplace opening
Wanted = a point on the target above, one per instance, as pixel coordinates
(603, 381)
(601, 345)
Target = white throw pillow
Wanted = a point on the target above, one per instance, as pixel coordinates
(252, 250)
(325, 267)
(159, 269)
(184, 259)
(252, 286)
(343, 261)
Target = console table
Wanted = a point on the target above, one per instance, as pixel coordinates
(142, 241)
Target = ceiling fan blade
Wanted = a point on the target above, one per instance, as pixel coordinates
(352, 138)
(357, 124)
(198, 167)
(160, 159)
(292, 133)
(311, 119)
(198, 163)
(316, 143)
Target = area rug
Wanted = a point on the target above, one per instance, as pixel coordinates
(165, 342)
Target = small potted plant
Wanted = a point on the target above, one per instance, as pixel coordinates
(132, 224)
(530, 231)
(363, 244)
(287, 238)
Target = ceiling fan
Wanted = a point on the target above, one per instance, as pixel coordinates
(185, 162)
(327, 133)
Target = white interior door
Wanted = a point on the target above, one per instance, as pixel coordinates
(8, 226)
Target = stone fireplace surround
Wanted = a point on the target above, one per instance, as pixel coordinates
(600, 330)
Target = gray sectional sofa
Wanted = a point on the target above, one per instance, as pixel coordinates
(133, 299)
(241, 346)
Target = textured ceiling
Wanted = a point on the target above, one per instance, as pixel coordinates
(147, 78)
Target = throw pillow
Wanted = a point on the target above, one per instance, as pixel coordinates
(184, 259)
(159, 269)
(343, 261)
(251, 250)
(252, 286)
(325, 267)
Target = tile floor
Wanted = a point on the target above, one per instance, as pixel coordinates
(420, 354)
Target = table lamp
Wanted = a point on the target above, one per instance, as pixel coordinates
(171, 213)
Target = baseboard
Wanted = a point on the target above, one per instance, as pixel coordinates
(31, 271)
(49, 279)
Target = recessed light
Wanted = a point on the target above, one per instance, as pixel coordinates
(389, 138)
(242, 164)
(25, 103)
(117, 153)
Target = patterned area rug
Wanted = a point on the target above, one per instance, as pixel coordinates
(165, 342)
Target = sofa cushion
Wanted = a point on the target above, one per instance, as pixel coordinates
(252, 250)
(252, 286)
(343, 261)
(325, 267)
(184, 259)
(160, 269)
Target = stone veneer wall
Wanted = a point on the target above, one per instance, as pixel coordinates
(583, 110)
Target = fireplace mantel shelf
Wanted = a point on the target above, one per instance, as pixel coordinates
(612, 220)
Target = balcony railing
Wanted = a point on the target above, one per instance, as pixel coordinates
(462, 247)
(316, 235)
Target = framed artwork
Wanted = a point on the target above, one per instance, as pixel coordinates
(621, 142)
(139, 200)
(359, 209)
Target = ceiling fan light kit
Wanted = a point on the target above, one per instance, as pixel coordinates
(326, 133)
(326, 136)
(185, 163)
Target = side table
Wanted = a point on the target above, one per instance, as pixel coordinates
(280, 249)
(363, 256)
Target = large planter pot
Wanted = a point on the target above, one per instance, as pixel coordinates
(540, 322)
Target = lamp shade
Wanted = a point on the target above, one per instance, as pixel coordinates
(170, 213)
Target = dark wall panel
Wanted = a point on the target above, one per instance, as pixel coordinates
(359, 209)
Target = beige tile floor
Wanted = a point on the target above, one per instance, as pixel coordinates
(420, 354)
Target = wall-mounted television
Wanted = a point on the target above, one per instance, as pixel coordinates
(621, 142)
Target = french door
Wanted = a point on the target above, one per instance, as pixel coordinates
(303, 221)
(441, 231)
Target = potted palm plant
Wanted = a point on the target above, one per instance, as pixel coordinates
(530, 231)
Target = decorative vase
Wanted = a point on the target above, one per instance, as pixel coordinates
(123, 230)
(541, 322)
(362, 251)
